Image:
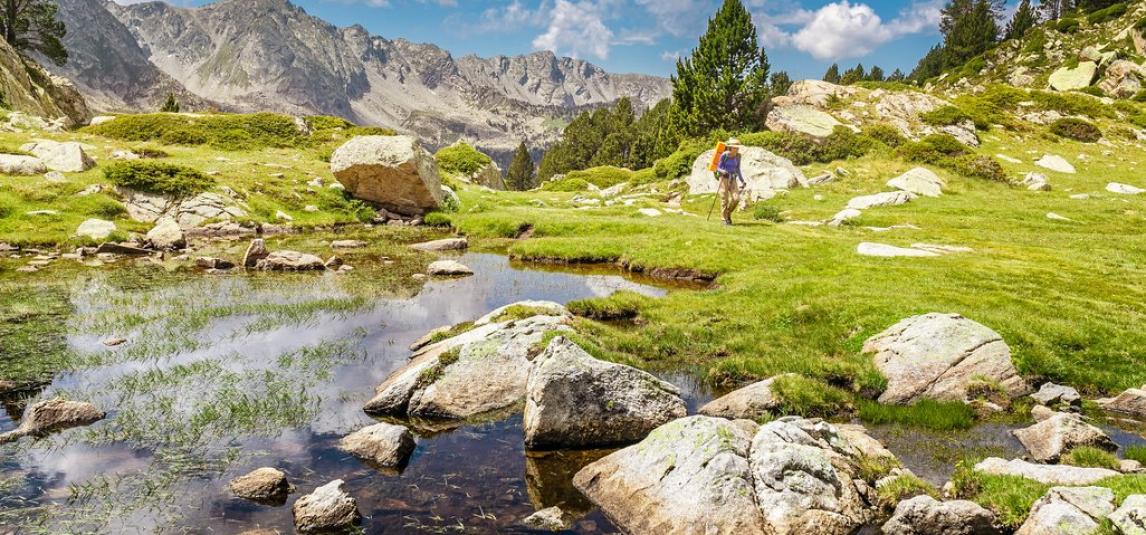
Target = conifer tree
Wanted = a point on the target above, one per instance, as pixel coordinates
(520, 176)
(897, 76)
(875, 74)
(779, 83)
(32, 25)
(833, 74)
(170, 105)
(853, 75)
(724, 82)
(1023, 20)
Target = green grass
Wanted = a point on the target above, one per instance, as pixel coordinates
(461, 159)
(1135, 453)
(802, 396)
(1090, 457)
(905, 487)
(618, 306)
(928, 414)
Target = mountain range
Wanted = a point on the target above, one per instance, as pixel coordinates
(270, 55)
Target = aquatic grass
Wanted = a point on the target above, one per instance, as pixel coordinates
(617, 306)
(928, 414)
(904, 487)
(1009, 497)
(1089, 456)
(1135, 452)
(806, 397)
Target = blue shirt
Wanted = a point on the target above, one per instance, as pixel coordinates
(730, 165)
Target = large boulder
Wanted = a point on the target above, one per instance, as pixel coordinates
(384, 445)
(920, 181)
(17, 164)
(753, 402)
(482, 370)
(1047, 474)
(167, 234)
(807, 479)
(1130, 518)
(1068, 511)
(574, 400)
(1073, 79)
(1132, 402)
(937, 356)
(96, 229)
(801, 119)
(66, 157)
(924, 515)
(393, 171)
(763, 171)
(887, 198)
(327, 509)
(1122, 79)
(52, 415)
(1050, 439)
(816, 93)
(263, 485)
(688, 476)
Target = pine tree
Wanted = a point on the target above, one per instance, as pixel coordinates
(779, 83)
(32, 25)
(520, 176)
(833, 74)
(170, 105)
(896, 76)
(853, 75)
(724, 82)
(1024, 19)
(875, 74)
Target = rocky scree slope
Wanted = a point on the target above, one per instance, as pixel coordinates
(271, 55)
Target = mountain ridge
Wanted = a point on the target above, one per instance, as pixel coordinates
(255, 55)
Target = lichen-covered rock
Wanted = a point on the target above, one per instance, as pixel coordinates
(1130, 518)
(1073, 79)
(574, 400)
(924, 515)
(96, 229)
(764, 173)
(1050, 439)
(479, 371)
(383, 444)
(1049, 474)
(267, 485)
(1132, 402)
(68, 157)
(328, 508)
(167, 234)
(937, 356)
(52, 415)
(1068, 511)
(887, 198)
(17, 164)
(753, 402)
(806, 479)
(392, 171)
(688, 476)
(920, 181)
(801, 119)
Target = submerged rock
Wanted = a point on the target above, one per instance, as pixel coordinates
(924, 515)
(1055, 436)
(267, 485)
(1068, 511)
(392, 171)
(1048, 474)
(753, 402)
(482, 370)
(448, 268)
(447, 244)
(1132, 402)
(328, 508)
(290, 261)
(383, 444)
(54, 414)
(548, 519)
(937, 356)
(691, 475)
(574, 400)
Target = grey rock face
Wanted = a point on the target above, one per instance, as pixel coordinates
(924, 515)
(936, 356)
(574, 400)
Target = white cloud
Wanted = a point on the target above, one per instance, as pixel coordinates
(678, 17)
(843, 29)
(576, 29)
(670, 55)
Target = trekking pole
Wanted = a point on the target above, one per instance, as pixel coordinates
(719, 184)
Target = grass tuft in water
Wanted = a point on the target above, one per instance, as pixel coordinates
(1135, 453)
(618, 306)
(927, 414)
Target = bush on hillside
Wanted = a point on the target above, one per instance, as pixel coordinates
(946, 151)
(885, 133)
(224, 131)
(1107, 14)
(1067, 25)
(801, 149)
(679, 163)
(158, 177)
(437, 219)
(325, 122)
(945, 116)
(603, 177)
(565, 184)
(766, 212)
(1076, 129)
(1140, 25)
(461, 159)
(976, 166)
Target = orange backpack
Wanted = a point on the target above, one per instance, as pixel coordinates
(720, 148)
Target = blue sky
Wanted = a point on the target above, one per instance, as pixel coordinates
(802, 37)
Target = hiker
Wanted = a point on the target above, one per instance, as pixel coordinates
(731, 180)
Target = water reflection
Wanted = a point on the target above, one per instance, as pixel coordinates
(208, 388)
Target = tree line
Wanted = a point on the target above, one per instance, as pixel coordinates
(859, 74)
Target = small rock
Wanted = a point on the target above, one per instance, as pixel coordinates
(1047, 474)
(348, 244)
(1080, 196)
(167, 235)
(844, 216)
(383, 444)
(1130, 518)
(96, 229)
(548, 519)
(283, 216)
(1068, 510)
(920, 181)
(1123, 189)
(209, 262)
(256, 251)
(448, 244)
(1129, 466)
(56, 177)
(889, 251)
(448, 268)
(1055, 217)
(333, 262)
(310, 208)
(649, 212)
(1036, 182)
(328, 508)
(53, 415)
(753, 402)
(290, 261)
(1052, 395)
(266, 485)
(112, 342)
(888, 198)
(1040, 413)
(1055, 163)
(1053, 437)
